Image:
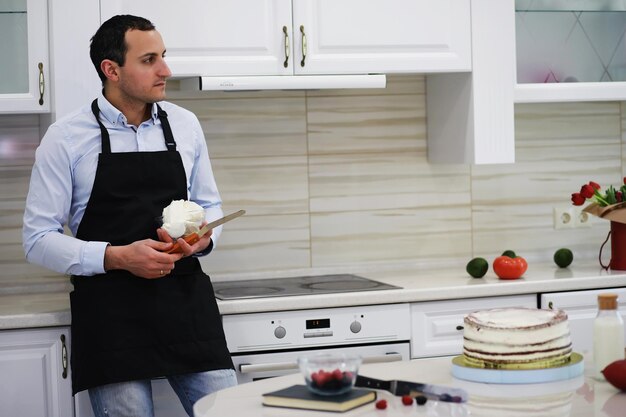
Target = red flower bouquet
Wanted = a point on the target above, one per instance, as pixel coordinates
(610, 205)
(592, 189)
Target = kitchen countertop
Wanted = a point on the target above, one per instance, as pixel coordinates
(45, 308)
(582, 396)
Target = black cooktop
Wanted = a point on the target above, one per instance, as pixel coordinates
(306, 285)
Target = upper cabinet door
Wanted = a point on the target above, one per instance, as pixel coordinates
(24, 51)
(215, 37)
(354, 36)
(257, 37)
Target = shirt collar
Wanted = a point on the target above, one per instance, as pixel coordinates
(114, 116)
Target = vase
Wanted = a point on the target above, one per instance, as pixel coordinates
(618, 246)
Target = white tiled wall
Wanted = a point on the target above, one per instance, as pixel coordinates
(340, 179)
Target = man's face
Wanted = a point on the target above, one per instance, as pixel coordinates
(143, 75)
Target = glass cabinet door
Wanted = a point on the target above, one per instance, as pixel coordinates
(14, 47)
(570, 50)
(24, 56)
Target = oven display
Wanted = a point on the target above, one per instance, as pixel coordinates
(318, 324)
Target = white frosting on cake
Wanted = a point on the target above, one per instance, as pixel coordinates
(516, 335)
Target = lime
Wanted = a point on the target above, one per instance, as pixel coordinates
(477, 267)
(509, 253)
(563, 257)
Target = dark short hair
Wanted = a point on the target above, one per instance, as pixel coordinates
(109, 43)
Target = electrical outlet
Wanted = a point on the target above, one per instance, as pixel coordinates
(570, 218)
(580, 218)
(563, 217)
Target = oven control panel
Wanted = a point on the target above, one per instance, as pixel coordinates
(317, 327)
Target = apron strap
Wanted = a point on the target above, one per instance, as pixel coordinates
(167, 129)
(106, 143)
(170, 143)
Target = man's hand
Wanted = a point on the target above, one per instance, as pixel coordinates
(186, 248)
(144, 258)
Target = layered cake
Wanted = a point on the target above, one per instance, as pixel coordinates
(516, 338)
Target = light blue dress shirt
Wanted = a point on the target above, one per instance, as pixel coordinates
(64, 172)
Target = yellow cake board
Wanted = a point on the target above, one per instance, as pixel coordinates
(462, 370)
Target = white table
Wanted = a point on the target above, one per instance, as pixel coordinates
(578, 397)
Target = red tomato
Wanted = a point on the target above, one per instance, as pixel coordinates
(509, 268)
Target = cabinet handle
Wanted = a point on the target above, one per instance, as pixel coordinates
(64, 356)
(286, 63)
(550, 305)
(42, 83)
(303, 45)
(460, 327)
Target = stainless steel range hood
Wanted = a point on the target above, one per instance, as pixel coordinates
(283, 82)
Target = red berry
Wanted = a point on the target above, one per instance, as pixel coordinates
(381, 404)
(407, 400)
(337, 374)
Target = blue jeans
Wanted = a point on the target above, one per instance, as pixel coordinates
(134, 398)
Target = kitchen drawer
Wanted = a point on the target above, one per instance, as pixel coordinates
(437, 326)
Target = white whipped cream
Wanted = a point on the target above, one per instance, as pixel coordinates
(182, 218)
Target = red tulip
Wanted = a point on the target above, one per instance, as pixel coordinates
(578, 199)
(587, 191)
(596, 186)
(618, 196)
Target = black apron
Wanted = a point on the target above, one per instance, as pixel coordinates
(128, 328)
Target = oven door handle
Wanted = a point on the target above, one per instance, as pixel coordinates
(387, 357)
(248, 368)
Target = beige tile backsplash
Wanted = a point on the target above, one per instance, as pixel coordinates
(340, 179)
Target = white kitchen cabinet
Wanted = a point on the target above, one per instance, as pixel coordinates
(34, 373)
(471, 115)
(437, 326)
(353, 36)
(285, 37)
(24, 50)
(581, 308)
(73, 76)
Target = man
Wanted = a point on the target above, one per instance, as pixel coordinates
(107, 171)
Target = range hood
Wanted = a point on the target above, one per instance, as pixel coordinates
(284, 82)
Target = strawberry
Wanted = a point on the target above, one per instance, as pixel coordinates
(615, 373)
(407, 400)
(337, 374)
(381, 404)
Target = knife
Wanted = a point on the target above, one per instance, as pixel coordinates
(397, 387)
(194, 237)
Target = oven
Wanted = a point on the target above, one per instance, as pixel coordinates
(264, 345)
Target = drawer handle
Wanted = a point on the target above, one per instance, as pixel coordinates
(286, 63)
(303, 46)
(64, 356)
(42, 83)
(460, 327)
(550, 305)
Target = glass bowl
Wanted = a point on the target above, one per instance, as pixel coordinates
(329, 373)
